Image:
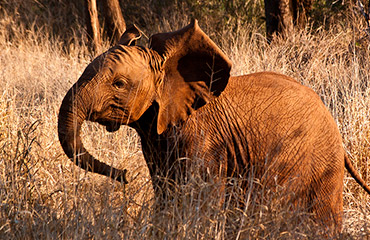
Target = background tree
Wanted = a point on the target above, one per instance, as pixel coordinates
(92, 23)
(283, 15)
(114, 22)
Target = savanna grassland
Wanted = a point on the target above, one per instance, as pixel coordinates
(43, 195)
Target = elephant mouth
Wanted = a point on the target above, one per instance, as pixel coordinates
(110, 126)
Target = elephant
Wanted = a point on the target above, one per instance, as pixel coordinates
(177, 93)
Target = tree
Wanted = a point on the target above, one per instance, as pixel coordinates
(92, 23)
(115, 25)
(283, 15)
(114, 22)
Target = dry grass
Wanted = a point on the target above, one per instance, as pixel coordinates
(43, 195)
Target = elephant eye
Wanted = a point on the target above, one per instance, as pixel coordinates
(119, 84)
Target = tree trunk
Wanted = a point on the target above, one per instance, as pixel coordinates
(301, 9)
(92, 23)
(283, 15)
(279, 18)
(114, 23)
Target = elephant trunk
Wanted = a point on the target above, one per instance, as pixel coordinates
(73, 112)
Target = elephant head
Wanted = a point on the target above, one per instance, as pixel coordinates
(180, 72)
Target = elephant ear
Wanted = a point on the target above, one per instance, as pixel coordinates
(195, 71)
(130, 36)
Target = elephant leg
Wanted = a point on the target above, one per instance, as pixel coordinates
(328, 205)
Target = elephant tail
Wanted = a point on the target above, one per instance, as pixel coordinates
(351, 169)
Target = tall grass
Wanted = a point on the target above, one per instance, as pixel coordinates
(44, 196)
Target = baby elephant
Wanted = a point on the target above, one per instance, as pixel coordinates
(179, 96)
